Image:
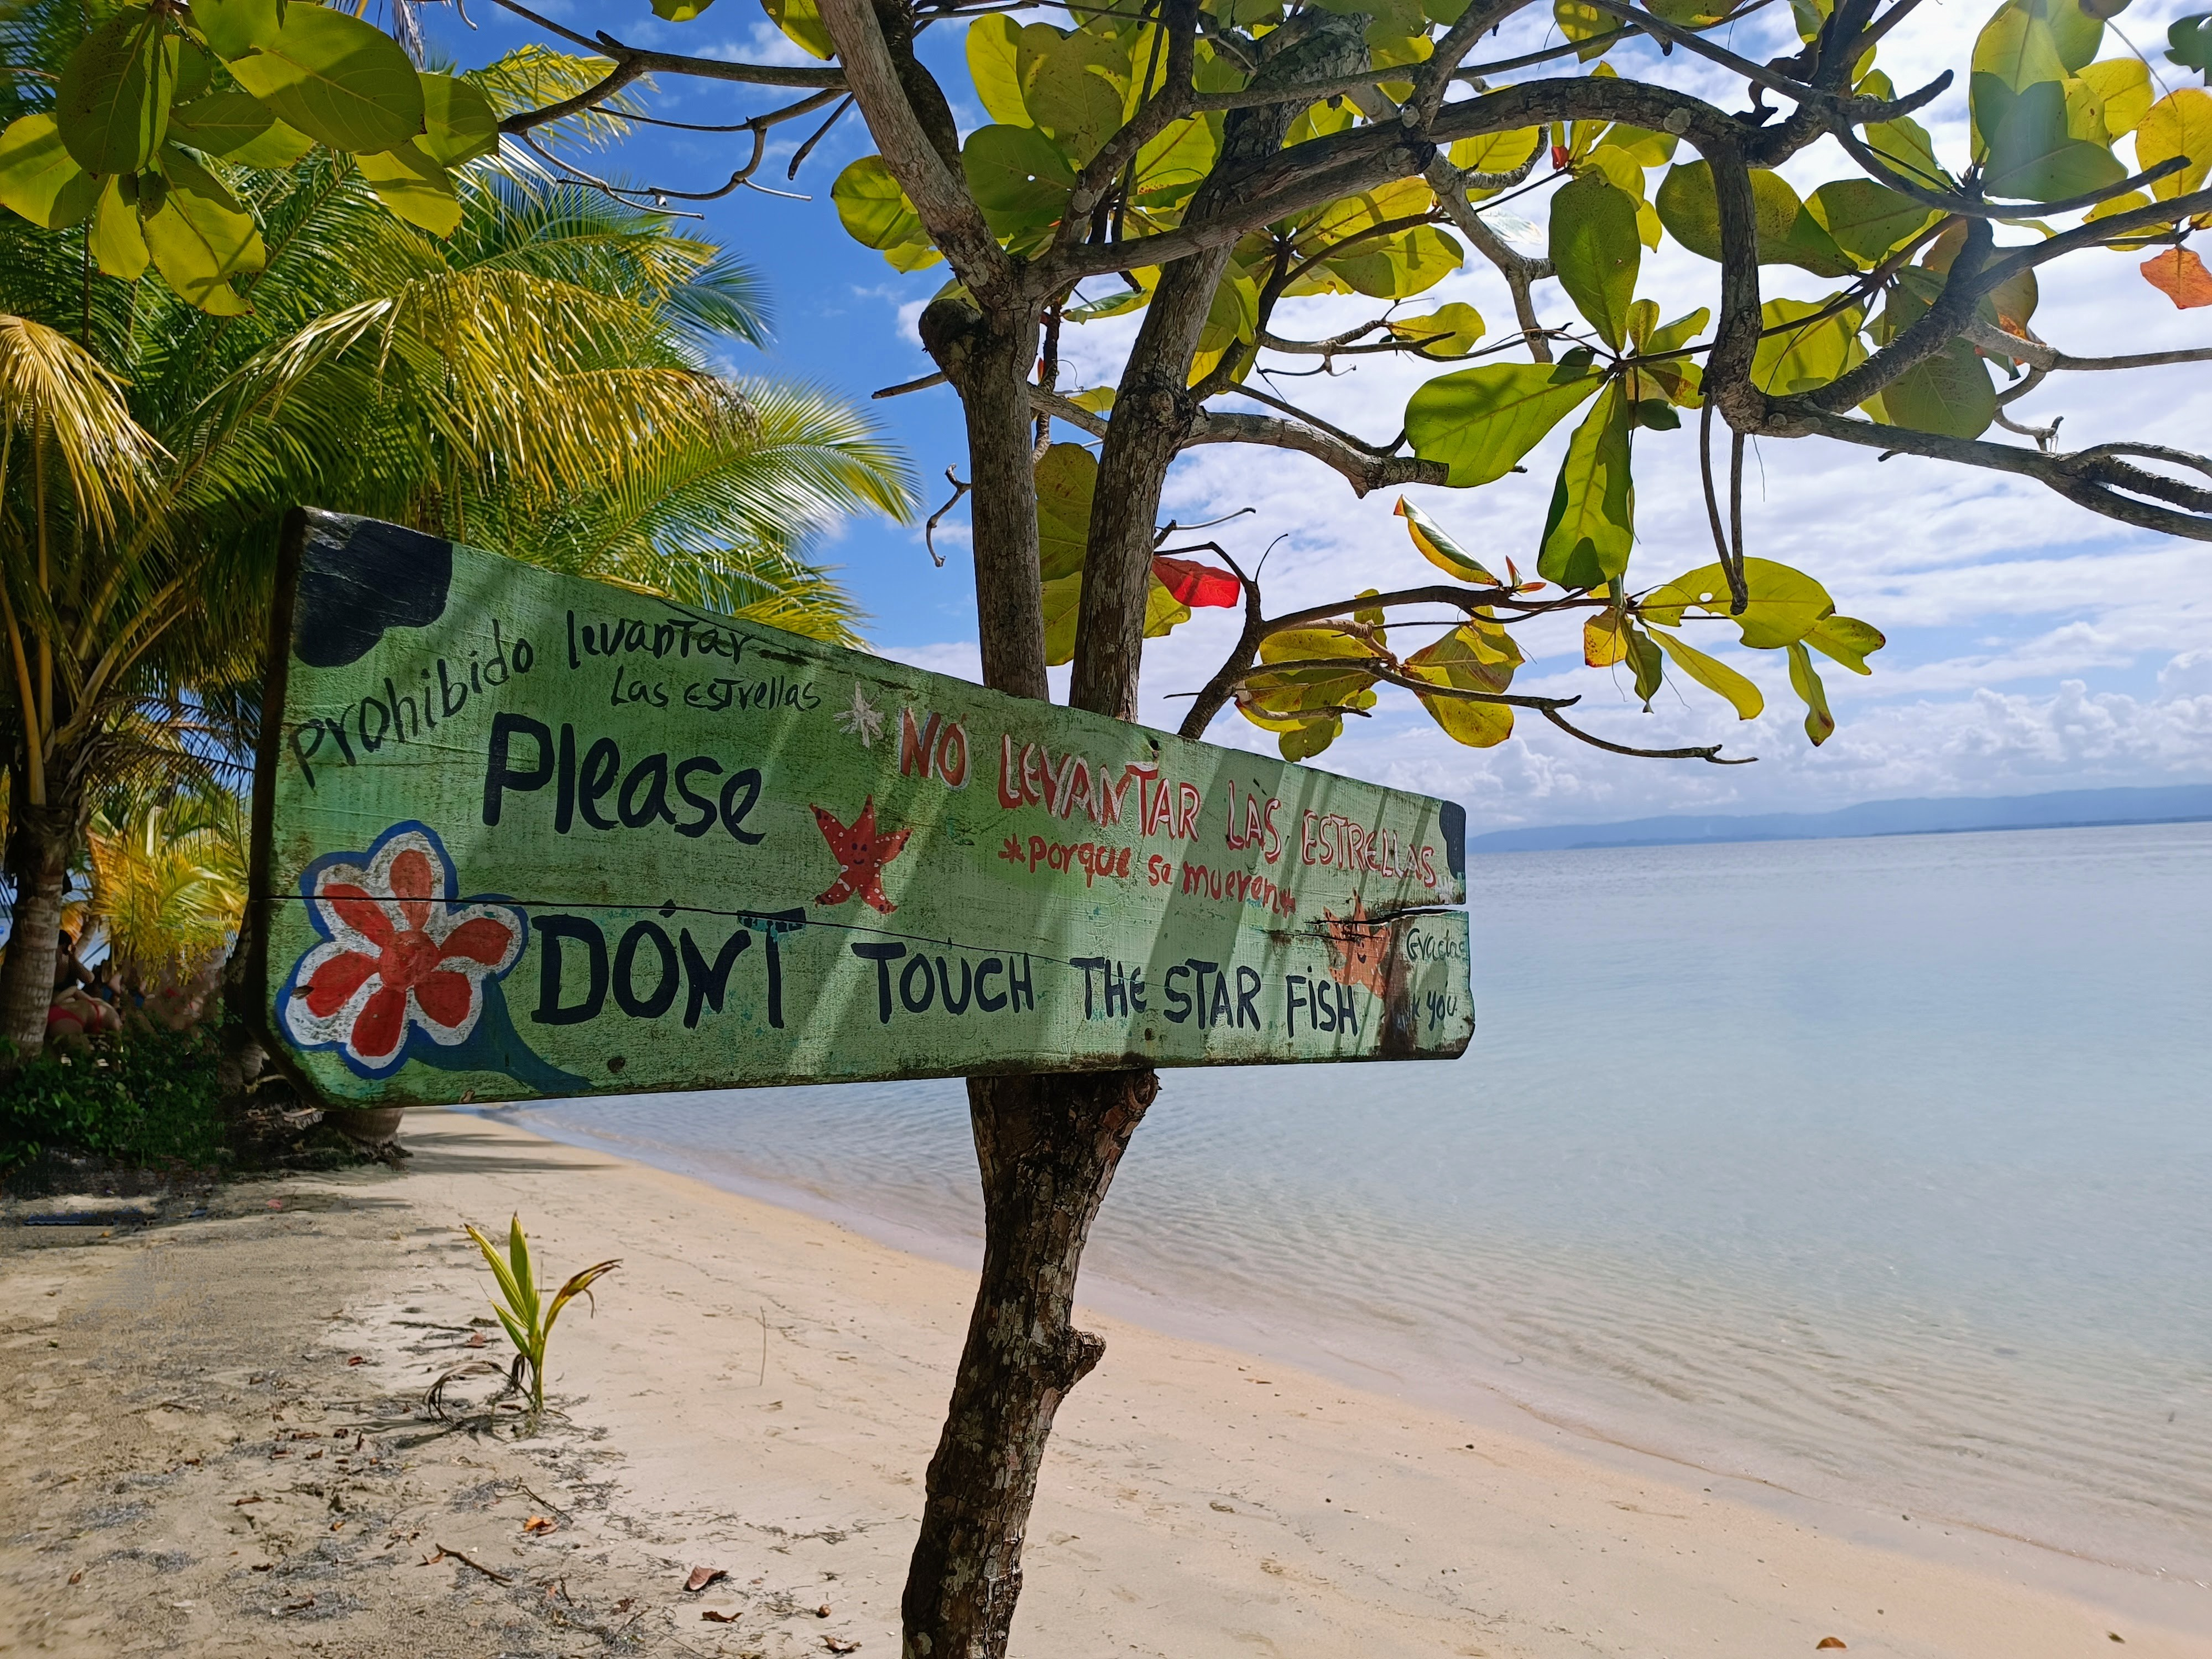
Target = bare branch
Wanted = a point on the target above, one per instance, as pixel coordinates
(638, 61)
(1364, 471)
(2036, 354)
(1711, 752)
(1969, 208)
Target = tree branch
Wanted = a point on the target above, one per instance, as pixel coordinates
(638, 61)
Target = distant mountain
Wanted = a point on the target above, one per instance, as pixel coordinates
(2066, 808)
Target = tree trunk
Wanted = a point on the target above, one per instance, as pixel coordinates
(1047, 1147)
(1153, 407)
(39, 841)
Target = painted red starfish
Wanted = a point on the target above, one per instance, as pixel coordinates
(861, 854)
(1357, 949)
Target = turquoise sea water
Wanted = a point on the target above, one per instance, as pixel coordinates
(1878, 1170)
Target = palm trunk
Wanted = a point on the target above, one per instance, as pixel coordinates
(1047, 1147)
(39, 841)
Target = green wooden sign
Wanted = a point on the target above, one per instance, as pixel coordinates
(520, 835)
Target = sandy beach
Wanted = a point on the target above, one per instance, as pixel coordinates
(216, 1444)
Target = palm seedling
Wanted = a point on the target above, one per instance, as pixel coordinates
(527, 1316)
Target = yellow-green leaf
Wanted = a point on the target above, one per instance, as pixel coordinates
(1591, 526)
(343, 82)
(198, 246)
(220, 122)
(1439, 548)
(234, 27)
(2179, 124)
(1948, 393)
(1065, 479)
(1063, 609)
(1480, 421)
(1784, 603)
(679, 11)
(111, 106)
(414, 187)
(801, 23)
(1809, 351)
(993, 43)
(1714, 675)
(1477, 656)
(458, 122)
(1867, 219)
(1450, 331)
(2121, 88)
(1848, 639)
(1805, 681)
(875, 214)
(1597, 252)
(118, 244)
(40, 178)
(1603, 643)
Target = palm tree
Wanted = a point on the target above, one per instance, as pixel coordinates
(546, 381)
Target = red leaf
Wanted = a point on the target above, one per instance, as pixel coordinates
(1197, 586)
(2180, 275)
(703, 1577)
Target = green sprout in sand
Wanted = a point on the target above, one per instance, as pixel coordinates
(529, 1318)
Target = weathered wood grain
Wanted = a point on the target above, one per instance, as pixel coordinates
(520, 835)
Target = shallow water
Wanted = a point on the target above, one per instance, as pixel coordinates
(1880, 1170)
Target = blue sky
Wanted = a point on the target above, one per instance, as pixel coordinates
(2032, 646)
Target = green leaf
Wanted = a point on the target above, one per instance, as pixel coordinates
(992, 65)
(414, 187)
(1450, 331)
(1018, 177)
(1069, 85)
(875, 214)
(1439, 548)
(1643, 658)
(1948, 393)
(1905, 148)
(1592, 525)
(1867, 220)
(279, 147)
(1645, 148)
(1807, 354)
(458, 122)
(1819, 724)
(342, 81)
(185, 172)
(112, 107)
(801, 23)
(1495, 153)
(1596, 253)
(2030, 151)
(1784, 604)
(1304, 742)
(235, 27)
(221, 122)
(1066, 478)
(118, 244)
(1063, 609)
(1714, 675)
(198, 246)
(1788, 234)
(2179, 124)
(40, 178)
(1399, 267)
(1848, 639)
(525, 1279)
(1480, 421)
(1679, 333)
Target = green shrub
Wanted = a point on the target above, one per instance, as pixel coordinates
(146, 1099)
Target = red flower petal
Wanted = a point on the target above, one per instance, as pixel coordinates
(383, 1019)
(480, 939)
(1197, 585)
(335, 981)
(360, 911)
(445, 998)
(414, 884)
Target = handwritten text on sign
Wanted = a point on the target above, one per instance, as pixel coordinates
(522, 834)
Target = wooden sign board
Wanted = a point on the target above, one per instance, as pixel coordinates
(521, 834)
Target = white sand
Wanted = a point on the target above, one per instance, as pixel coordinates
(1196, 1502)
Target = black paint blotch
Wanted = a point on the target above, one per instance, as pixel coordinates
(379, 576)
(1451, 819)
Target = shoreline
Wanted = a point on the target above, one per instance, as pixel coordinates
(759, 1389)
(2123, 1588)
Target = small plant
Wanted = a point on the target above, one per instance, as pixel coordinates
(528, 1318)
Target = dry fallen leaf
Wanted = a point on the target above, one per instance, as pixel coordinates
(355, 1360)
(78, 1577)
(1216, 1504)
(839, 1644)
(713, 1617)
(700, 1577)
(540, 1524)
(1829, 1642)
(476, 1339)
(2180, 275)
